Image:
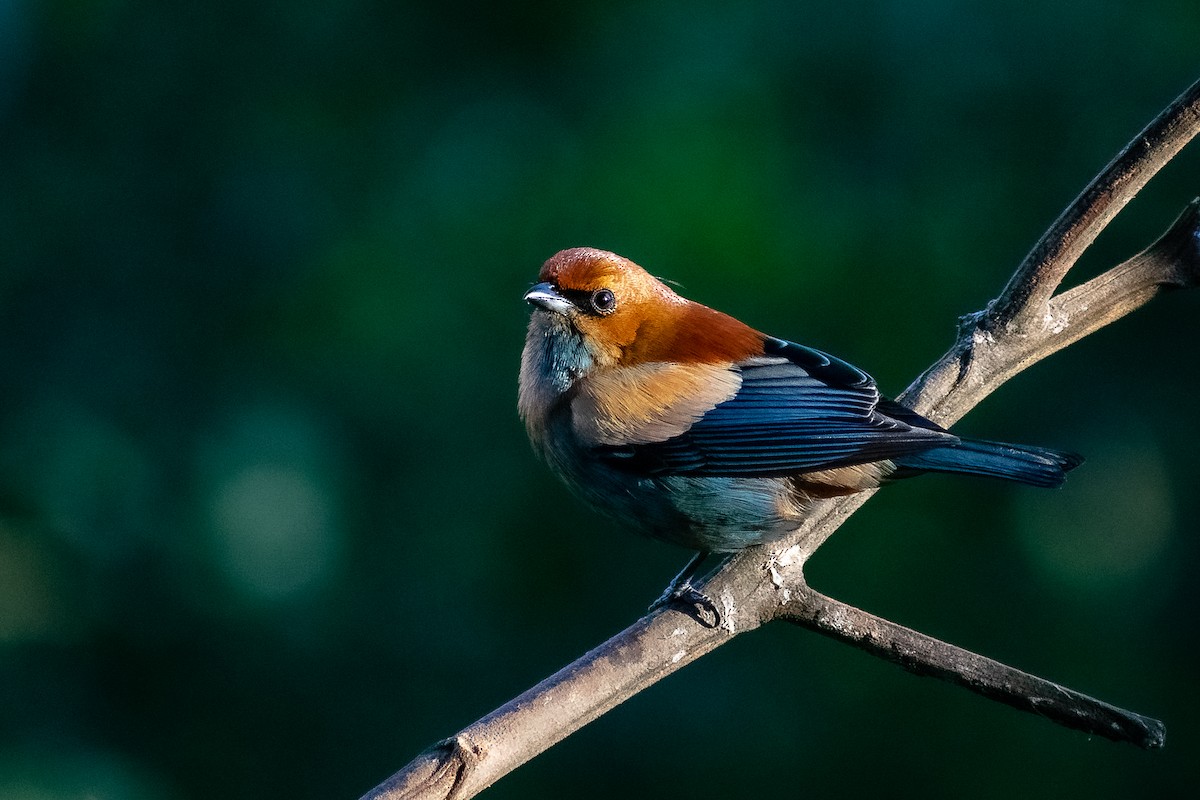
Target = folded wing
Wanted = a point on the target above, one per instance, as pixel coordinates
(796, 410)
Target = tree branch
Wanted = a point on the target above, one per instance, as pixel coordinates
(924, 655)
(982, 360)
(1039, 275)
(649, 650)
(1024, 325)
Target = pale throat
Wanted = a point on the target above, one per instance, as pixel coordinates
(564, 355)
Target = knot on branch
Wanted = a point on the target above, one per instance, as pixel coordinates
(974, 333)
(971, 325)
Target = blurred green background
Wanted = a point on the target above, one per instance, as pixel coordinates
(269, 524)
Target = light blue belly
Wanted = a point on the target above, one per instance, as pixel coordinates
(701, 513)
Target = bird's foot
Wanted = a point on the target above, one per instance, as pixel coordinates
(703, 607)
(680, 590)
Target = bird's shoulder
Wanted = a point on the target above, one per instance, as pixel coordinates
(818, 364)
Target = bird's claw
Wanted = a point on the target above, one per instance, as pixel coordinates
(703, 608)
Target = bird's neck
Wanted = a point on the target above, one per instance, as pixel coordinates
(555, 357)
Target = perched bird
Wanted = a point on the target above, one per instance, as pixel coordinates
(694, 428)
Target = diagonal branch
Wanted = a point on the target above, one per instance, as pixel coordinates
(642, 654)
(924, 655)
(762, 584)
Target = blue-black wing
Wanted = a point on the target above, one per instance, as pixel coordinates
(797, 410)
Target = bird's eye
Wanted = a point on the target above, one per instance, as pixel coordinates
(604, 301)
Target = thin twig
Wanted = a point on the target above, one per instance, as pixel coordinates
(924, 655)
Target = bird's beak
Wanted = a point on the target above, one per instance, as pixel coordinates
(545, 295)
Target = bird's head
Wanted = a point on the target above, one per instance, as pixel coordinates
(623, 316)
(613, 306)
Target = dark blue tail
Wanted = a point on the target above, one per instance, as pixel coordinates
(1036, 466)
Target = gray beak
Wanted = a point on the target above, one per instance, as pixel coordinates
(545, 295)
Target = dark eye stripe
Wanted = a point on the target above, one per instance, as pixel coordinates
(582, 299)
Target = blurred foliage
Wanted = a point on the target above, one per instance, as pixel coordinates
(269, 524)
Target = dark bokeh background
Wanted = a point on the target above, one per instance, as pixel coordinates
(269, 524)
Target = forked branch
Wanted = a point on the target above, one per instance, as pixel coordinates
(1038, 277)
(1026, 323)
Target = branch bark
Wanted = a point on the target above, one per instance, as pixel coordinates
(924, 655)
(1025, 324)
